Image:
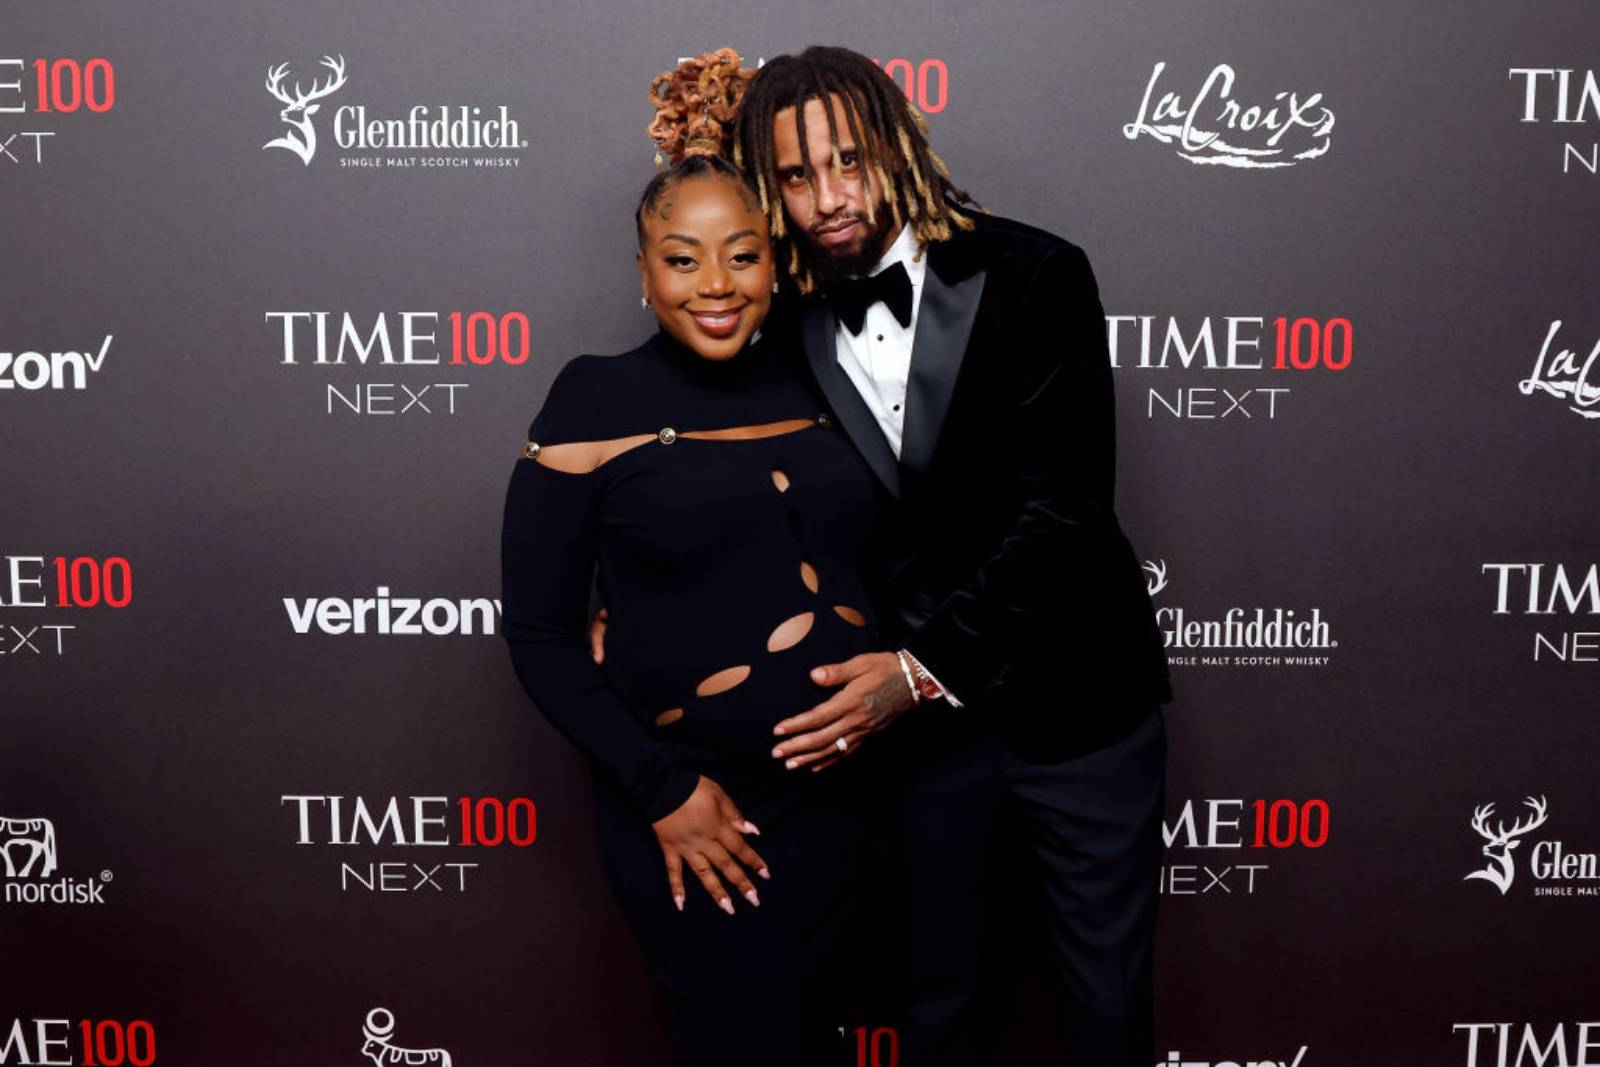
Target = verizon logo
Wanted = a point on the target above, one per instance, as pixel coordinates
(391, 615)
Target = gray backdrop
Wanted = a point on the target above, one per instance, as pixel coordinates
(1428, 506)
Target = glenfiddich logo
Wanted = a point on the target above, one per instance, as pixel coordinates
(1556, 870)
(422, 136)
(1502, 839)
(1155, 576)
(1238, 636)
(300, 105)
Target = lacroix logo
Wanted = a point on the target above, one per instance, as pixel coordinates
(1214, 126)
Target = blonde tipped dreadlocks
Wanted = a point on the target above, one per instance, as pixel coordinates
(891, 139)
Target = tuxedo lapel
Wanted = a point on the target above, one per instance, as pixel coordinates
(944, 325)
(820, 332)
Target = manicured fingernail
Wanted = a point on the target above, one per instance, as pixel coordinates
(763, 872)
(750, 828)
(726, 905)
(752, 897)
(819, 675)
(777, 753)
(778, 730)
(678, 900)
(792, 764)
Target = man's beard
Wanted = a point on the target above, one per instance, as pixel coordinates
(831, 268)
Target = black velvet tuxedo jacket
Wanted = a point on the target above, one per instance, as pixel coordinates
(1005, 568)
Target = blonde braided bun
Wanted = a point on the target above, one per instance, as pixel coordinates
(696, 104)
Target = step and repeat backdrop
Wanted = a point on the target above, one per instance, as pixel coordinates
(282, 284)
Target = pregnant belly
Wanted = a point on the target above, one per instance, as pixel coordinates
(734, 727)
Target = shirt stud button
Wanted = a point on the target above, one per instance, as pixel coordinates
(824, 421)
(667, 436)
(530, 450)
(880, 337)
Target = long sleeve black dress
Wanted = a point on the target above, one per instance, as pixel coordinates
(730, 564)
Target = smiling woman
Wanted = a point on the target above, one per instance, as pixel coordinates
(705, 260)
(728, 520)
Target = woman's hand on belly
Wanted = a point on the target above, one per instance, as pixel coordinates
(706, 834)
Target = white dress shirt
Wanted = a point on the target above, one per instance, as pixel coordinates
(878, 359)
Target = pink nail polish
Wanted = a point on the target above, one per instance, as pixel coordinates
(778, 730)
(678, 900)
(763, 872)
(792, 764)
(726, 905)
(750, 828)
(777, 753)
(753, 897)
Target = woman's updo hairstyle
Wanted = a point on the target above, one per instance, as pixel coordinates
(695, 104)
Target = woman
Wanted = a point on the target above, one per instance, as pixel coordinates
(727, 519)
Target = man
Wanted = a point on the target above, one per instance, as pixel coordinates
(965, 355)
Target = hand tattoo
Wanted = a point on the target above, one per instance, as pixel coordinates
(890, 695)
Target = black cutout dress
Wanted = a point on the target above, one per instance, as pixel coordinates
(703, 547)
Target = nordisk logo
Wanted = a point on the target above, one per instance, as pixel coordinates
(1175, 1059)
(1575, 874)
(1240, 634)
(1213, 127)
(1563, 96)
(1549, 589)
(73, 583)
(348, 347)
(426, 822)
(392, 616)
(28, 851)
(32, 370)
(43, 89)
(58, 1043)
(1228, 348)
(1227, 826)
(1562, 376)
(1523, 1045)
(425, 127)
(379, 1031)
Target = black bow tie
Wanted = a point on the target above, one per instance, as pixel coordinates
(853, 297)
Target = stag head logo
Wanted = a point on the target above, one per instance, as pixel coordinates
(1155, 576)
(1502, 840)
(299, 107)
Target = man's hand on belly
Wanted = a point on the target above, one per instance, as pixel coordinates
(874, 694)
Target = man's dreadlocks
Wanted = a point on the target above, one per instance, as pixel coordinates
(894, 152)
